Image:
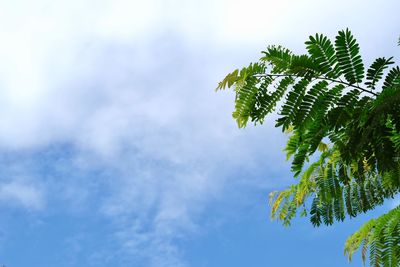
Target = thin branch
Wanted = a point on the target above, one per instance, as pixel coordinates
(320, 78)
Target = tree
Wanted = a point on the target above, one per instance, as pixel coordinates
(344, 135)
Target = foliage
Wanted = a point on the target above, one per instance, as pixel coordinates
(344, 116)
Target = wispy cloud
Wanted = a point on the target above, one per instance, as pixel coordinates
(19, 194)
(146, 146)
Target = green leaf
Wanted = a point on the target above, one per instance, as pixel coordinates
(279, 57)
(267, 103)
(349, 59)
(392, 79)
(375, 72)
(245, 99)
(323, 52)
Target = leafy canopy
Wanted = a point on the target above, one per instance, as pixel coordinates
(345, 116)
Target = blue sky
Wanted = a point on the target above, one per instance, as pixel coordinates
(116, 151)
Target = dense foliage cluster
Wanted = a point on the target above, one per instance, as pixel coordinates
(344, 116)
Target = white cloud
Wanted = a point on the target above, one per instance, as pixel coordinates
(19, 194)
(47, 44)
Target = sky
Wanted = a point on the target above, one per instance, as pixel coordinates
(115, 150)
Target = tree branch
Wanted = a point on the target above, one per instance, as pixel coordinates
(319, 78)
